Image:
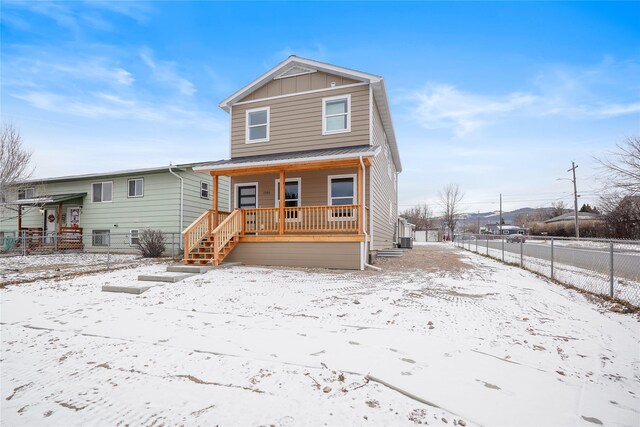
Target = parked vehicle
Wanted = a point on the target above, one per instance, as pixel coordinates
(516, 238)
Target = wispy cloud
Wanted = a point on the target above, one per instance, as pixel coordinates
(597, 92)
(75, 16)
(165, 72)
(98, 87)
(444, 106)
(103, 105)
(35, 68)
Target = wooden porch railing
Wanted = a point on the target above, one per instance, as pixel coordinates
(303, 219)
(70, 238)
(201, 228)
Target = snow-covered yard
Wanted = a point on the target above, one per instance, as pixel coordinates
(482, 342)
(23, 269)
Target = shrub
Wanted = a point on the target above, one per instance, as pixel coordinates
(151, 243)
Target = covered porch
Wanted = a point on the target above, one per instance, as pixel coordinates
(59, 223)
(324, 201)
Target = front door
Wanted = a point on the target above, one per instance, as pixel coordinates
(247, 197)
(73, 217)
(50, 224)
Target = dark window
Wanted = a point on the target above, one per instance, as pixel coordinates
(100, 238)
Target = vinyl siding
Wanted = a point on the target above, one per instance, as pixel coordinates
(159, 208)
(296, 123)
(343, 255)
(313, 184)
(296, 84)
(383, 190)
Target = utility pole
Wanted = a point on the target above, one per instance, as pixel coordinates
(500, 223)
(478, 217)
(575, 198)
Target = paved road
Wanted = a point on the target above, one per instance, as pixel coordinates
(626, 265)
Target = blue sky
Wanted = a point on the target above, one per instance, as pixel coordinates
(497, 97)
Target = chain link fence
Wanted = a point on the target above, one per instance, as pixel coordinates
(599, 266)
(103, 243)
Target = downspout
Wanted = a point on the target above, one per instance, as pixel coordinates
(363, 252)
(397, 207)
(181, 202)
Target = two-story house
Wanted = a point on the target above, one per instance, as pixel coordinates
(313, 171)
(90, 212)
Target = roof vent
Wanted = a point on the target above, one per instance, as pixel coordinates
(295, 70)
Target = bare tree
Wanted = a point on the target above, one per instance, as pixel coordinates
(15, 160)
(557, 208)
(620, 200)
(420, 215)
(622, 166)
(450, 199)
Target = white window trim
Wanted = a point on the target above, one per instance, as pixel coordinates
(101, 189)
(242, 184)
(131, 237)
(324, 114)
(348, 175)
(246, 125)
(277, 186)
(277, 204)
(135, 196)
(33, 189)
(102, 234)
(355, 194)
(68, 221)
(208, 190)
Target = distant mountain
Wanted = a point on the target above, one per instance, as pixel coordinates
(508, 217)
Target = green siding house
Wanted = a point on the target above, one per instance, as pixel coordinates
(97, 207)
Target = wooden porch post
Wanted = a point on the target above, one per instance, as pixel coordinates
(360, 199)
(59, 219)
(215, 202)
(282, 197)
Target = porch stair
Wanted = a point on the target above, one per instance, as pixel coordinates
(204, 246)
(391, 252)
(204, 254)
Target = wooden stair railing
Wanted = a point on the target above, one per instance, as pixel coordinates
(205, 246)
(225, 235)
(200, 229)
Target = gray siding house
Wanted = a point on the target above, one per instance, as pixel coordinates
(102, 205)
(322, 136)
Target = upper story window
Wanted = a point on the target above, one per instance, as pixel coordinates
(336, 114)
(135, 187)
(204, 190)
(26, 193)
(258, 125)
(102, 191)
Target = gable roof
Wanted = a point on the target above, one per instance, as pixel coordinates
(296, 65)
(180, 167)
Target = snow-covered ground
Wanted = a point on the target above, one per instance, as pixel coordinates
(602, 245)
(488, 344)
(22, 269)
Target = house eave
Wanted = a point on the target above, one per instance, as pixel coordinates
(307, 162)
(295, 60)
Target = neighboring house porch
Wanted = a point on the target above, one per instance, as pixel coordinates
(325, 208)
(60, 221)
